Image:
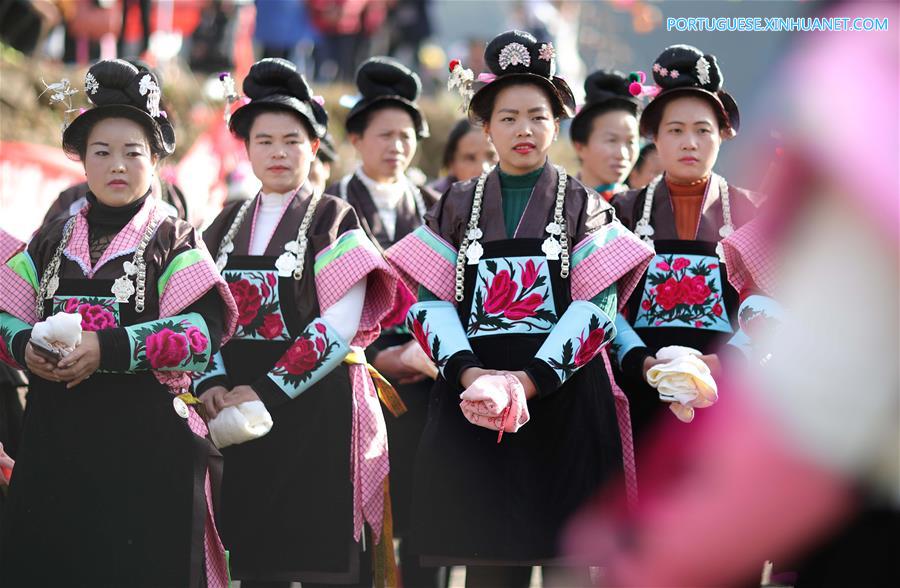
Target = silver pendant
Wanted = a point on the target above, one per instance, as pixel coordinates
(181, 409)
(286, 263)
(551, 248)
(52, 286)
(474, 252)
(644, 230)
(122, 289)
(554, 229)
(720, 251)
(221, 262)
(725, 231)
(130, 268)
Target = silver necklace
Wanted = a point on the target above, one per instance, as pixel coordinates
(555, 246)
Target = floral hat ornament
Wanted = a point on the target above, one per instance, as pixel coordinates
(512, 56)
(679, 70)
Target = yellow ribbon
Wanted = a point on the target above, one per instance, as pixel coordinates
(386, 392)
(188, 398)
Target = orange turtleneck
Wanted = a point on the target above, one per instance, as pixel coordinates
(686, 202)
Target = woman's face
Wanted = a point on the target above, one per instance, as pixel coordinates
(688, 139)
(388, 144)
(118, 163)
(280, 151)
(522, 128)
(474, 155)
(612, 147)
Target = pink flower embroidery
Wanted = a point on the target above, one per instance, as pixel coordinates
(663, 266)
(96, 318)
(166, 349)
(72, 305)
(197, 340)
(680, 263)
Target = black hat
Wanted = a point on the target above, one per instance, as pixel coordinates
(605, 89)
(381, 79)
(275, 84)
(682, 69)
(518, 56)
(119, 89)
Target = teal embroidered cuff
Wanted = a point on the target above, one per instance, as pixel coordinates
(215, 375)
(312, 355)
(581, 333)
(177, 343)
(12, 352)
(436, 327)
(626, 339)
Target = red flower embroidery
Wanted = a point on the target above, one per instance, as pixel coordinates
(5, 355)
(248, 300)
(680, 263)
(96, 318)
(524, 308)
(717, 309)
(589, 347)
(421, 335)
(300, 358)
(196, 339)
(271, 327)
(646, 305)
(663, 266)
(72, 305)
(270, 278)
(694, 290)
(501, 293)
(320, 345)
(713, 266)
(698, 324)
(166, 349)
(321, 328)
(668, 294)
(530, 273)
(265, 291)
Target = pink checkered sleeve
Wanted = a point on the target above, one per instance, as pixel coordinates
(418, 264)
(622, 261)
(17, 297)
(335, 279)
(9, 246)
(750, 258)
(189, 284)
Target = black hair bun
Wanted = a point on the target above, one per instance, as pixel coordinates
(519, 52)
(383, 76)
(681, 66)
(605, 85)
(117, 82)
(274, 75)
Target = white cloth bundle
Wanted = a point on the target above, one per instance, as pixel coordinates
(684, 381)
(61, 332)
(237, 424)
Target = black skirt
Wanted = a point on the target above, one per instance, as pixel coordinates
(108, 488)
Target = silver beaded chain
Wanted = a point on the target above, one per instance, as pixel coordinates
(473, 233)
(645, 231)
(141, 265)
(227, 244)
(472, 250)
(50, 279)
(302, 241)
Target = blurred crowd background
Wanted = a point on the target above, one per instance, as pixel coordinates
(191, 41)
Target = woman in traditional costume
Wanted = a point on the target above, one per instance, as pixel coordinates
(605, 133)
(111, 484)
(519, 274)
(308, 285)
(384, 127)
(685, 298)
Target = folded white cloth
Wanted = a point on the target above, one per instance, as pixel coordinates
(237, 424)
(684, 381)
(415, 357)
(60, 332)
